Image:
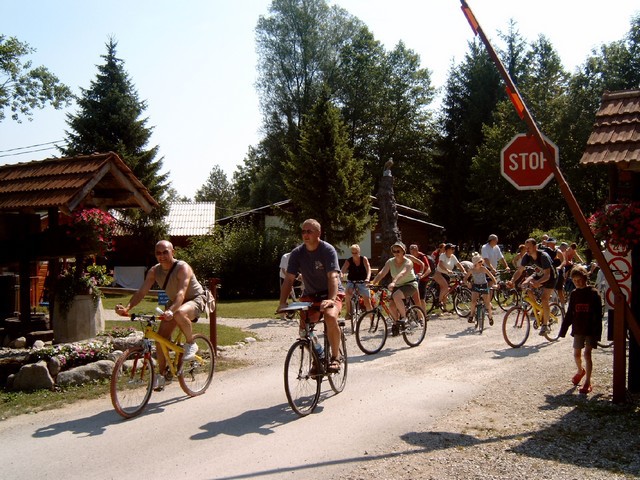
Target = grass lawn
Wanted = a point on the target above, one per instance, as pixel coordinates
(225, 309)
(17, 403)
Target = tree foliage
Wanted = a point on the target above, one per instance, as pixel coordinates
(110, 119)
(243, 256)
(323, 179)
(477, 122)
(23, 88)
(305, 46)
(471, 95)
(218, 189)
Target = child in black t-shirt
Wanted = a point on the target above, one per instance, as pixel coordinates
(584, 314)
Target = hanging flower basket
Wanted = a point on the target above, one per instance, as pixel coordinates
(617, 224)
(93, 229)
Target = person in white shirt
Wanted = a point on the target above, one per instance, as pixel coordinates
(491, 254)
(446, 263)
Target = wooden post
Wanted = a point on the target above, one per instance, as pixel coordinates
(619, 349)
(213, 318)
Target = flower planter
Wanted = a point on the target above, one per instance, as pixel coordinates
(84, 320)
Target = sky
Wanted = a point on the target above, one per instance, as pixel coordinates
(194, 61)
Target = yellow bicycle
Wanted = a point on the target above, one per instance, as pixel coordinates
(133, 376)
(517, 320)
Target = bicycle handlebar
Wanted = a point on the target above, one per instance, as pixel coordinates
(295, 306)
(143, 317)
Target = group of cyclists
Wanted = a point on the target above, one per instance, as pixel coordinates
(542, 263)
(316, 262)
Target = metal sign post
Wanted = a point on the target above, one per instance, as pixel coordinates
(623, 312)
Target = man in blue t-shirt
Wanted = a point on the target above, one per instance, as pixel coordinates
(318, 263)
(544, 275)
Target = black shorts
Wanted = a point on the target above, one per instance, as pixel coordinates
(422, 288)
(482, 288)
(551, 283)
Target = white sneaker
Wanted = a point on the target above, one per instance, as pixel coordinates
(159, 383)
(190, 350)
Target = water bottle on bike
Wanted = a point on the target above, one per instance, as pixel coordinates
(317, 346)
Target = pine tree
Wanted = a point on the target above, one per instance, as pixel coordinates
(109, 119)
(324, 181)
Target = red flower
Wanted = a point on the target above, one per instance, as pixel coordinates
(617, 224)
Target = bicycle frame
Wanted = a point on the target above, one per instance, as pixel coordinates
(167, 345)
(536, 307)
(383, 299)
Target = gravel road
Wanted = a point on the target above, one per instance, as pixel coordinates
(459, 406)
(520, 417)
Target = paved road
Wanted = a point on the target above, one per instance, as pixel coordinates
(242, 427)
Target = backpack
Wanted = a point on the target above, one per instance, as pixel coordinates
(431, 262)
(209, 301)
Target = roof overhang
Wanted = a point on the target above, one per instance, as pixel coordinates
(100, 180)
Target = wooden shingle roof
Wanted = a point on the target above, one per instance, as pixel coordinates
(100, 180)
(616, 132)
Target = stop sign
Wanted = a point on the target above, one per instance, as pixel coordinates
(523, 163)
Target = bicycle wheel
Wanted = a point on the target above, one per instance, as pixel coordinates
(480, 315)
(339, 380)
(355, 311)
(507, 298)
(516, 326)
(416, 327)
(371, 331)
(429, 300)
(132, 382)
(301, 384)
(462, 301)
(195, 375)
(556, 315)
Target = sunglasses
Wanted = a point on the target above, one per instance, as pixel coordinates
(164, 252)
(396, 251)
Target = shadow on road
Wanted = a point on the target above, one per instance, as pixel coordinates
(97, 424)
(262, 421)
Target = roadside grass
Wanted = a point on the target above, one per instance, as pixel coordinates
(225, 309)
(18, 403)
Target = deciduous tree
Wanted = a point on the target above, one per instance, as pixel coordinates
(23, 88)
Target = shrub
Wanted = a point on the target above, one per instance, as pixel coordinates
(246, 258)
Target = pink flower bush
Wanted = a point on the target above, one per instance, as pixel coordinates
(617, 224)
(95, 228)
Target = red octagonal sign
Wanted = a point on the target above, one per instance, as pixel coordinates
(524, 165)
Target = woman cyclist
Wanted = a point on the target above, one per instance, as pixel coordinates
(479, 285)
(403, 283)
(357, 269)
